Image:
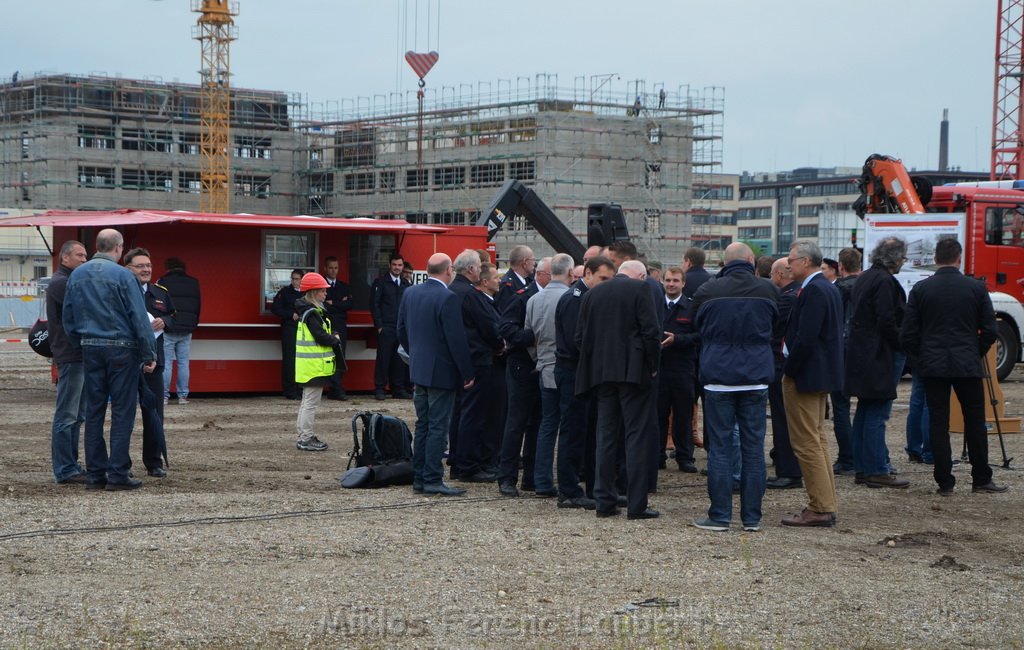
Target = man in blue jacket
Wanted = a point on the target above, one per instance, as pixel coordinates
(104, 313)
(430, 328)
(735, 316)
(814, 368)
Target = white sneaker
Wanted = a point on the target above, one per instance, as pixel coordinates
(165, 401)
(182, 400)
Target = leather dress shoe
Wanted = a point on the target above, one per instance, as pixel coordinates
(157, 472)
(840, 469)
(340, 397)
(784, 483)
(527, 486)
(809, 518)
(990, 488)
(380, 395)
(650, 513)
(128, 484)
(546, 494)
(945, 492)
(402, 395)
(417, 489)
(77, 479)
(479, 477)
(95, 485)
(621, 501)
(507, 489)
(578, 502)
(885, 481)
(443, 490)
(917, 459)
(688, 468)
(601, 514)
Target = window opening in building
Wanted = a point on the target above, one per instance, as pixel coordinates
(283, 251)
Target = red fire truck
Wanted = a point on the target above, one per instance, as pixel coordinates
(241, 260)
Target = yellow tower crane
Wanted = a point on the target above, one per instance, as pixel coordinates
(215, 30)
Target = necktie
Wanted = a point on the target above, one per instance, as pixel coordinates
(398, 282)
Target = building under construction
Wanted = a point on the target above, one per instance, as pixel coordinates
(84, 143)
(653, 153)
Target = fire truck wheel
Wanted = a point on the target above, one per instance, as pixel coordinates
(1007, 350)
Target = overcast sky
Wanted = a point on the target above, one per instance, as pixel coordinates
(815, 83)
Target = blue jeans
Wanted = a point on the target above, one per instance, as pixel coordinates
(842, 427)
(571, 434)
(870, 454)
(919, 440)
(433, 415)
(176, 348)
(547, 437)
(68, 417)
(110, 371)
(723, 412)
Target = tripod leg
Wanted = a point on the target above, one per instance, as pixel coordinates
(995, 414)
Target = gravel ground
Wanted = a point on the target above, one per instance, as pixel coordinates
(249, 542)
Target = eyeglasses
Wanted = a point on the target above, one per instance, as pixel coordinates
(141, 266)
(790, 260)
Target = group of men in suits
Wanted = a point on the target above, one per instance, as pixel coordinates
(599, 364)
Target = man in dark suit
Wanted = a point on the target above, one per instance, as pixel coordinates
(948, 328)
(814, 367)
(521, 263)
(430, 328)
(337, 304)
(787, 469)
(473, 440)
(696, 274)
(385, 295)
(677, 382)
(619, 339)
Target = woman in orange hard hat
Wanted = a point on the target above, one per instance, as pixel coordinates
(317, 350)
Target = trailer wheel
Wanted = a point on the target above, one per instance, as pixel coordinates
(1007, 349)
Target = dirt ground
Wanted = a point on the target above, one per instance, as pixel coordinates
(249, 542)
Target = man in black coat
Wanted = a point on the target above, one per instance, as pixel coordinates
(787, 470)
(849, 271)
(619, 339)
(677, 381)
(337, 304)
(522, 264)
(178, 338)
(385, 296)
(696, 274)
(473, 439)
(874, 360)
(948, 328)
(284, 308)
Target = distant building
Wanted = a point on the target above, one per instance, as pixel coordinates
(776, 209)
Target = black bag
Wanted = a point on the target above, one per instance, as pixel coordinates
(397, 473)
(383, 440)
(39, 339)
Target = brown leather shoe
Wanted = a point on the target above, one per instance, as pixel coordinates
(885, 481)
(810, 518)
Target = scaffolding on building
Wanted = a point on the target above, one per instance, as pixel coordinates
(62, 135)
(652, 149)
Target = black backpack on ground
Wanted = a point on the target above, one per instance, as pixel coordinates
(382, 452)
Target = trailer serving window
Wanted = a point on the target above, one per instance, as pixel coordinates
(284, 251)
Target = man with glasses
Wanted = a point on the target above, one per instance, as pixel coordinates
(813, 347)
(161, 310)
(105, 313)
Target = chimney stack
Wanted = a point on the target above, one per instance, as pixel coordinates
(944, 141)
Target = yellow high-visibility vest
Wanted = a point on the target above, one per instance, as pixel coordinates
(311, 358)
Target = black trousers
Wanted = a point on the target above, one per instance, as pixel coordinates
(388, 370)
(153, 415)
(623, 411)
(676, 395)
(288, 387)
(476, 437)
(786, 464)
(519, 440)
(970, 392)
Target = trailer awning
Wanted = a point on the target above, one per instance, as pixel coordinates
(110, 219)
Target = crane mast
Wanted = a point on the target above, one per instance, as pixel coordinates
(1008, 110)
(215, 30)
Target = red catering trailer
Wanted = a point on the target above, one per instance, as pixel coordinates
(241, 260)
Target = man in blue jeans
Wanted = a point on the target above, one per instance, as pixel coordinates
(430, 327)
(735, 315)
(540, 319)
(104, 313)
(70, 410)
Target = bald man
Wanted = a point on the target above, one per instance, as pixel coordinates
(430, 328)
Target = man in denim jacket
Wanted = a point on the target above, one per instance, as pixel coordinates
(105, 314)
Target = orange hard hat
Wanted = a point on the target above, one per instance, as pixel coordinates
(312, 281)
